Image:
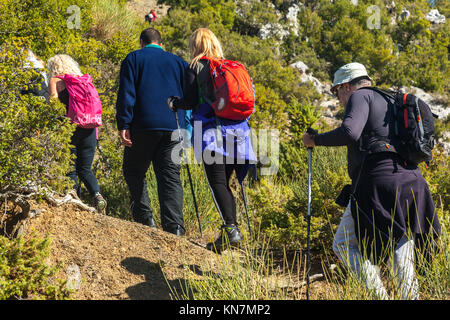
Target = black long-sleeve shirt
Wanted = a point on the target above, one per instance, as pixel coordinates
(197, 88)
(366, 112)
(190, 92)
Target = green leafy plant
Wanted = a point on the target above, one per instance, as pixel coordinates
(24, 273)
(34, 148)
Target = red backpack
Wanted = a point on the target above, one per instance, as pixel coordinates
(233, 89)
(85, 106)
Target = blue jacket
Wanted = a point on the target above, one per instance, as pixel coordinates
(148, 77)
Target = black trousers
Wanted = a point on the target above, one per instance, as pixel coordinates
(85, 141)
(154, 147)
(218, 176)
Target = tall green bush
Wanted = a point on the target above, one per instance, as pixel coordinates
(35, 135)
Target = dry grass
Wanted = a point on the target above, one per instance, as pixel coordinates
(112, 18)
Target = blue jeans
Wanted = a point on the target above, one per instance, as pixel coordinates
(85, 141)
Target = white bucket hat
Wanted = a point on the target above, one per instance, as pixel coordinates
(349, 72)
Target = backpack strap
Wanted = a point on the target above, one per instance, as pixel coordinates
(386, 95)
(207, 64)
(202, 99)
(383, 144)
(419, 118)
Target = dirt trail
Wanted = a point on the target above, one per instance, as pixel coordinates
(106, 258)
(116, 259)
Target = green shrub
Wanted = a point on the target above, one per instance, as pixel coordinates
(24, 273)
(35, 136)
(436, 176)
(280, 205)
(252, 16)
(45, 23)
(270, 110)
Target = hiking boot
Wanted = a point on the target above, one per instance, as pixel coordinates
(150, 222)
(100, 203)
(178, 230)
(230, 236)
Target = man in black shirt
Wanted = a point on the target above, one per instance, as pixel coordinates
(391, 204)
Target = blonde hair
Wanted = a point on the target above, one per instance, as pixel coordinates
(62, 64)
(203, 42)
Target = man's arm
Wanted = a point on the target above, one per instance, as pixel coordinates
(126, 97)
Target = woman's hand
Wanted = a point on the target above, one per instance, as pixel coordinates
(308, 140)
(170, 102)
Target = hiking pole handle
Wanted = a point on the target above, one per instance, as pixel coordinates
(312, 132)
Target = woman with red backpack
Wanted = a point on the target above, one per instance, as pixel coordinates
(222, 143)
(77, 92)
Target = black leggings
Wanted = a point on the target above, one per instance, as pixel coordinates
(85, 141)
(218, 176)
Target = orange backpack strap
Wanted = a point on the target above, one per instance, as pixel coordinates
(405, 111)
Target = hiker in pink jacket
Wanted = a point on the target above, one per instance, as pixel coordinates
(77, 92)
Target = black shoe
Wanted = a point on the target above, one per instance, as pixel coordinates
(230, 236)
(150, 222)
(145, 219)
(179, 231)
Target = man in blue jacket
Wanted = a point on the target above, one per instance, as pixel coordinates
(148, 77)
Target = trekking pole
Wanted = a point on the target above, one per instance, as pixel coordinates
(308, 218)
(246, 209)
(189, 175)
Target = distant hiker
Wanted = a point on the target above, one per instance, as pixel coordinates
(39, 85)
(66, 84)
(148, 77)
(148, 17)
(391, 205)
(218, 161)
(151, 16)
